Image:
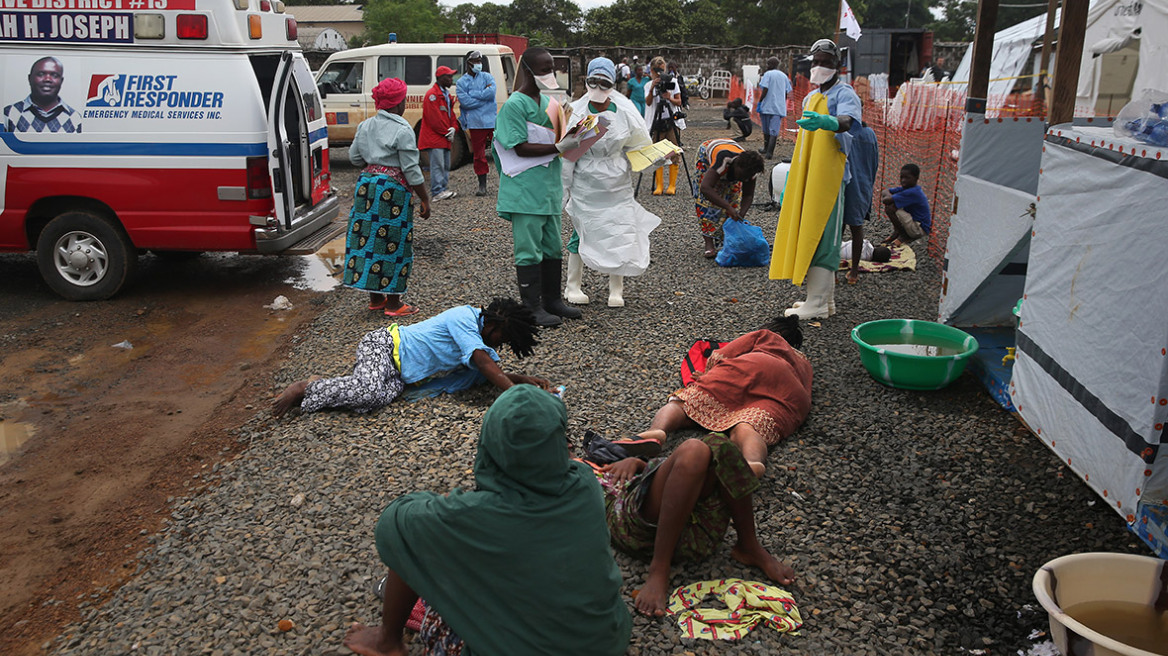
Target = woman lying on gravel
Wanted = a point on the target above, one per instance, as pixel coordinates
(521, 565)
(681, 506)
(390, 358)
(757, 389)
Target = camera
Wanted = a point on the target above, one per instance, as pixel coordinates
(664, 82)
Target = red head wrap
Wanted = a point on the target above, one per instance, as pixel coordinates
(389, 93)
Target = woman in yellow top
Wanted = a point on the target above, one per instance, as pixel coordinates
(726, 190)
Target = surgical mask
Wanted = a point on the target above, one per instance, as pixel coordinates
(599, 96)
(545, 82)
(477, 68)
(821, 74)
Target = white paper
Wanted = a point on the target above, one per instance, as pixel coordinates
(514, 164)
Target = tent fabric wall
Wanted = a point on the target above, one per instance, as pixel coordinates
(1012, 49)
(985, 259)
(1091, 376)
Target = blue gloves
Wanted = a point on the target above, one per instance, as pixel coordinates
(814, 121)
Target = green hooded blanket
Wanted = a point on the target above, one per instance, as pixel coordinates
(521, 565)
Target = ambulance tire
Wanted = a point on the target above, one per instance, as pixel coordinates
(85, 257)
(460, 151)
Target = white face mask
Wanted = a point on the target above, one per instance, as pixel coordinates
(821, 74)
(547, 82)
(599, 96)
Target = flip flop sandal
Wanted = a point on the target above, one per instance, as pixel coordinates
(379, 306)
(710, 253)
(403, 311)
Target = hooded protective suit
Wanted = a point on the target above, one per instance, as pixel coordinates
(521, 565)
(598, 194)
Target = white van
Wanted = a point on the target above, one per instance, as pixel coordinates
(347, 78)
(167, 125)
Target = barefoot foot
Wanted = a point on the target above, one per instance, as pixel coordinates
(757, 468)
(651, 598)
(369, 641)
(758, 557)
(289, 398)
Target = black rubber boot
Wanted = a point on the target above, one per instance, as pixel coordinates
(552, 274)
(482, 185)
(530, 290)
(770, 145)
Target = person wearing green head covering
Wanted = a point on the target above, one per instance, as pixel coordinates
(521, 565)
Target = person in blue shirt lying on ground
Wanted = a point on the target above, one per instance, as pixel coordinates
(390, 358)
(907, 208)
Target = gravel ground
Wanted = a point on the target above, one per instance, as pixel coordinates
(914, 520)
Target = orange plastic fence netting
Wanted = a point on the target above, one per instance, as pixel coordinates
(920, 125)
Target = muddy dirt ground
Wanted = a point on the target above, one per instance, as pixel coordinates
(95, 438)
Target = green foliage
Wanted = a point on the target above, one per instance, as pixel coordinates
(635, 22)
(892, 13)
(414, 21)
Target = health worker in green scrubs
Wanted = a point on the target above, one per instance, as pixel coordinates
(532, 200)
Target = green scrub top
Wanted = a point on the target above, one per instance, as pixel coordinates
(537, 190)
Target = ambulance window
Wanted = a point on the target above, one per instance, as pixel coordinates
(308, 95)
(414, 69)
(342, 77)
(453, 61)
(508, 72)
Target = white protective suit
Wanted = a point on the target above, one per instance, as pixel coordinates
(598, 194)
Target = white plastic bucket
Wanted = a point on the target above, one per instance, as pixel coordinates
(1071, 580)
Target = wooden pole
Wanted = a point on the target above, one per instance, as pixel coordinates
(839, 15)
(1044, 64)
(1072, 32)
(983, 54)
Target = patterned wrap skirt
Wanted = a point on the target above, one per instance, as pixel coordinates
(708, 522)
(710, 216)
(379, 250)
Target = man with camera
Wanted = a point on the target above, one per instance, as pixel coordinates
(664, 116)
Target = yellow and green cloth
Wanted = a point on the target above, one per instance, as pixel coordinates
(747, 604)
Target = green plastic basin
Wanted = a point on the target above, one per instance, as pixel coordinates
(911, 354)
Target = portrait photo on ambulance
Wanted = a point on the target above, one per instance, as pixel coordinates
(203, 132)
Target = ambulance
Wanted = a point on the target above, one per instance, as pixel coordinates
(175, 126)
(346, 80)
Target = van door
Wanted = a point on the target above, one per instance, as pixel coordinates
(280, 144)
(296, 140)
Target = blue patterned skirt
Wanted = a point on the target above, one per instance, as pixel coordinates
(379, 249)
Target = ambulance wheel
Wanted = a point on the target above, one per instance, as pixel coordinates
(85, 257)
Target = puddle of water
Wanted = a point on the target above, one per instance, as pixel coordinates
(321, 271)
(13, 435)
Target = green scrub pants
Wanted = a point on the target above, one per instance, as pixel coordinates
(827, 253)
(537, 237)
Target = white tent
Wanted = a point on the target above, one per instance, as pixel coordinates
(1091, 376)
(1125, 49)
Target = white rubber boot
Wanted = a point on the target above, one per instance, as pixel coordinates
(616, 290)
(830, 300)
(572, 290)
(819, 284)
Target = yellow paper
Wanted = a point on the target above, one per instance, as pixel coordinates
(651, 156)
(813, 184)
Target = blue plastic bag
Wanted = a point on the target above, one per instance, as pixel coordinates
(743, 245)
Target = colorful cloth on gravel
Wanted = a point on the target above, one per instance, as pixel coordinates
(708, 522)
(375, 381)
(903, 259)
(379, 249)
(748, 604)
(436, 636)
(761, 380)
(710, 216)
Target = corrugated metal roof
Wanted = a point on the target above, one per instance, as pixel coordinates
(326, 14)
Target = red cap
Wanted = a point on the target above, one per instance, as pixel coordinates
(444, 70)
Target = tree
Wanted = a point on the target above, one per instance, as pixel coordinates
(635, 21)
(705, 21)
(414, 21)
(895, 13)
(546, 22)
(485, 18)
(960, 18)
